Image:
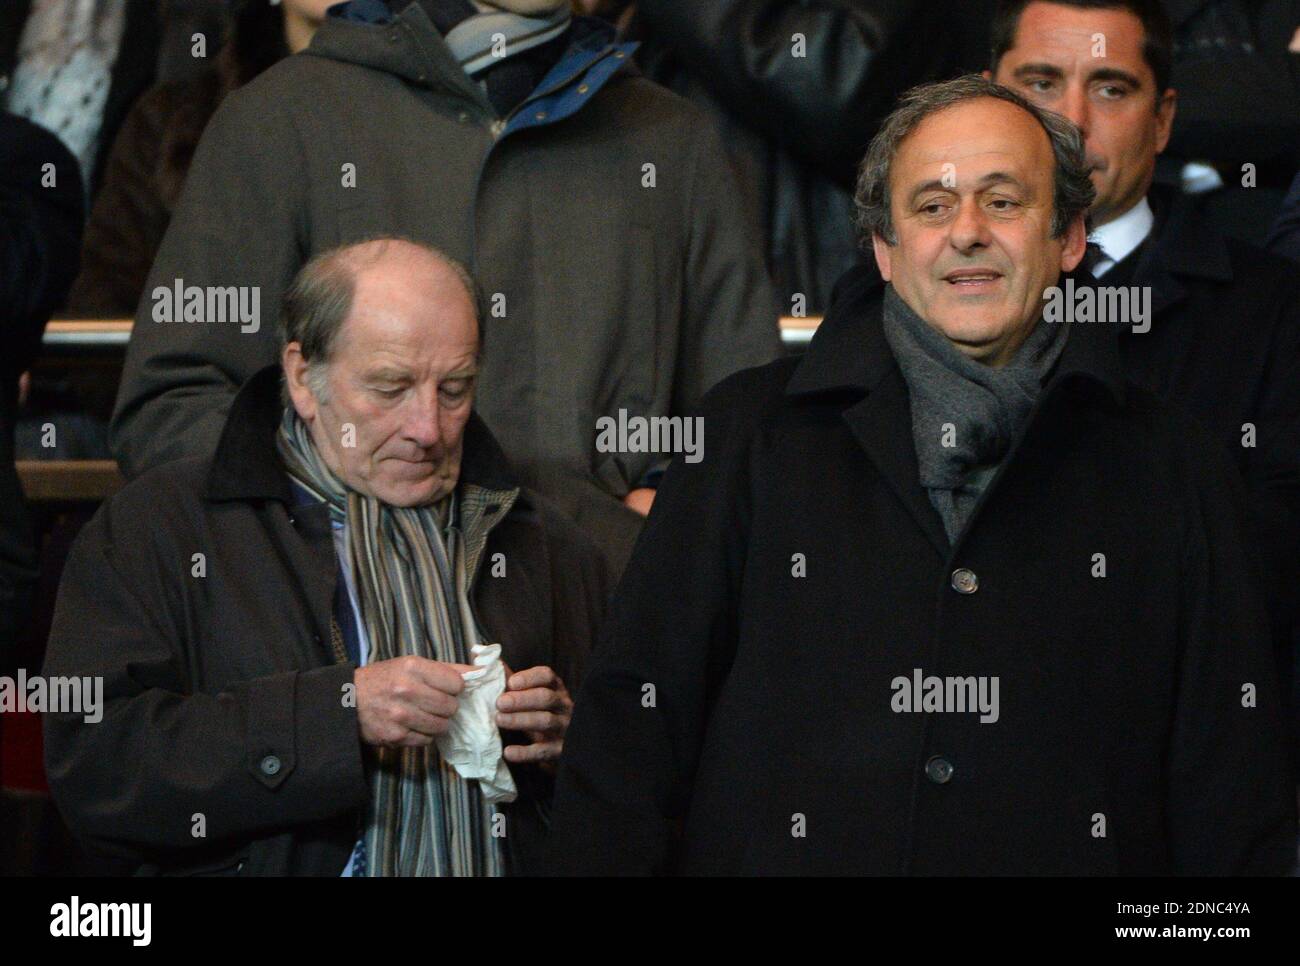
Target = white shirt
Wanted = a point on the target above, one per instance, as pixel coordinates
(1119, 238)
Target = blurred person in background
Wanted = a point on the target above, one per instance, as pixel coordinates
(40, 230)
(75, 67)
(153, 152)
(1236, 139)
(797, 90)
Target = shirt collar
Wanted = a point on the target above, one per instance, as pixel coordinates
(1119, 238)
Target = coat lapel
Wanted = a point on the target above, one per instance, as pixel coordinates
(849, 354)
(310, 559)
(1182, 246)
(882, 425)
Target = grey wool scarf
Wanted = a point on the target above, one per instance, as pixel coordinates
(965, 414)
(411, 567)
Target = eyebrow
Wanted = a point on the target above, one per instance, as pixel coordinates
(1115, 74)
(387, 375)
(399, 375)
(1043, 70)
(1055, 73)
(988, 180)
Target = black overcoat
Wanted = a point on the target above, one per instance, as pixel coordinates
(739, 715)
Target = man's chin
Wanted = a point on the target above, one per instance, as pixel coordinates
(415, 493)
(970, 334)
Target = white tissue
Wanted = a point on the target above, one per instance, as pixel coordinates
(472, 745)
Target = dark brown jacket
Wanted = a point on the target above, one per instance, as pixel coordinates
(205, 677)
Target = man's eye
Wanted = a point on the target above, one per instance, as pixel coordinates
(390, 393)
(1039, 86)
(933, 208)
(1113, 93)
(1002, 204)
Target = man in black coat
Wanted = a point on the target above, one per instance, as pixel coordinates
(946, 595)
(1221, 341)
(40, 239)
(282, 629)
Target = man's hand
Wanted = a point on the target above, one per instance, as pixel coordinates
(537, 703)
(406, 701)
(640, 500)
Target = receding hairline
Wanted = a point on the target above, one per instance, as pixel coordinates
(344, 266)
(968, 102)
(352, 260)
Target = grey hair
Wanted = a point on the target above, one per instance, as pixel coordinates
(319, 300)
(1073, 192)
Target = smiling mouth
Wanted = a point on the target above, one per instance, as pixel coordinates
(972, 278)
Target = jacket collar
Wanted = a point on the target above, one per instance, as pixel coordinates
(399, 37)
(1183, 246)
(246, 465)
(849, 351)
(849, 355)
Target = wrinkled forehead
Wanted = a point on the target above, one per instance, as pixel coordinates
(417, 299)
(965, 144)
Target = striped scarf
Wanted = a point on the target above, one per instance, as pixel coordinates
(412, 586)
(473, 41)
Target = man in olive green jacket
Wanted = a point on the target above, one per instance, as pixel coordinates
(597, 211)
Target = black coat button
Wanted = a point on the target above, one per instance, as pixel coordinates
(270, 765)
(939, 770)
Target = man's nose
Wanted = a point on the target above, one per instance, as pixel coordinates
(423, 424)
(1077, 108)
(969, 227)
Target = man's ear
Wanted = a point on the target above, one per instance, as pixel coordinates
(294, 366)
(1165, 112)
(880, 248)
(1074, 244)
(986, 74)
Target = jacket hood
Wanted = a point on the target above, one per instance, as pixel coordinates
(401, 39)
